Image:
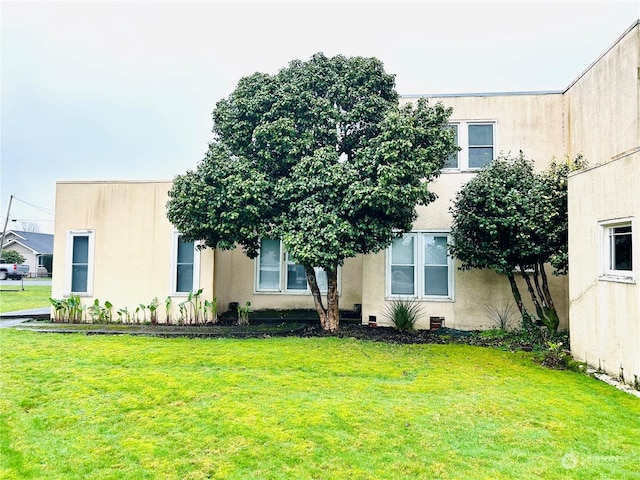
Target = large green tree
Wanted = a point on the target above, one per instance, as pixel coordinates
(510, 218)
(319, 155)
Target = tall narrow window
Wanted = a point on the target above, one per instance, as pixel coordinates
(269, 265)
(480, 145)
(403, 266)
(185, 266)
(452, 160)
(436, 266)
(80, 264)
(79, 279)
(296, 276)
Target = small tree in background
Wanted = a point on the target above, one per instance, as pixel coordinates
(320, 156)
(11, 256)
(510, 218)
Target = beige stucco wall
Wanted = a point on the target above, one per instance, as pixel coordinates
(531, 123)
(133, 242)
(133, 252)
(605, 314)
(604, 103)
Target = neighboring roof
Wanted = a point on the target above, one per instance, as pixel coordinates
(39, 243)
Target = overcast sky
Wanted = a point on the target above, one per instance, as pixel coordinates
(124, 90)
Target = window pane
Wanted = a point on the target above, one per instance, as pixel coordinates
(436, 280)
(452, 160)
(480, 156)
(321, 278)
(80, 249)
(185, 251)
(402, 281)
(435, 250)
(184, 277)
(79, 276)
(481, 135)
(402, 251)
(296, 277)
(269, 274)
(621, 257)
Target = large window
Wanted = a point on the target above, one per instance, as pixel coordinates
(185, 270)
(79, 279)
(278, 272)
(419, 266)
(477, 143)
(617, 255)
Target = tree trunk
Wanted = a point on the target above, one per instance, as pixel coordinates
(329, 316)
(517, 297)
(552, 314)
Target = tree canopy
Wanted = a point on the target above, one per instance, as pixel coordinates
(319, 155)
(511, 218)
(11, 256)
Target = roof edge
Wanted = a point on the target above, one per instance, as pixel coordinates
(602, 55)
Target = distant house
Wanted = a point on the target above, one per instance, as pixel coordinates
(113, 241)
(36, 248)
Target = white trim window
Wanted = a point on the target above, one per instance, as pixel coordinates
(419, 266)
(617, 249)
(278, 272)
(80, 261)
(185, 266)
(477, 143)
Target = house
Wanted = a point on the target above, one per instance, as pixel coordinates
(116, 244)
(36, 248)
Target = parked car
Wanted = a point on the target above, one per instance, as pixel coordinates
(12, 270)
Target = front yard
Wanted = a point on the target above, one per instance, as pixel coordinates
(77, 406)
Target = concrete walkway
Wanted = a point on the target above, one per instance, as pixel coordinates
(10, 319)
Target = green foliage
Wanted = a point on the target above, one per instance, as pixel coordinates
(243, 314)
(11, 256)
(71, 309)
(510, 217)
(403, 313)
(319, 155)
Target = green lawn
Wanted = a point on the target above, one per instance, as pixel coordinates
(104, 407)
(12, 298)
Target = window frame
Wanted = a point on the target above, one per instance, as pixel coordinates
(419, 264)
(71, 235)
(606, 252)
(174, 267)
(283, 267)
(462, 141)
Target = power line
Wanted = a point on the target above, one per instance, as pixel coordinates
(48, 211)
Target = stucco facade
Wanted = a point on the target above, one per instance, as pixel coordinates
(122, 226)
(603, 121)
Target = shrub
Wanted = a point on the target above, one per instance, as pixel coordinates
(403, 313)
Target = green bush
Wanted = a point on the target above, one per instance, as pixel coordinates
(403, 313)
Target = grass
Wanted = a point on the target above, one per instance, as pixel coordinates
(77, 406)
(12, 298)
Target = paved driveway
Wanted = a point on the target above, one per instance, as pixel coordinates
(26, 282)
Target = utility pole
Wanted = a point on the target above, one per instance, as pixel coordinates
(6, 220)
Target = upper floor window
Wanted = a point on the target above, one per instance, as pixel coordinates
(617, 257)
(477, 143)
(185, 270)
(419, 266)
(278, 271)
(79, 278)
